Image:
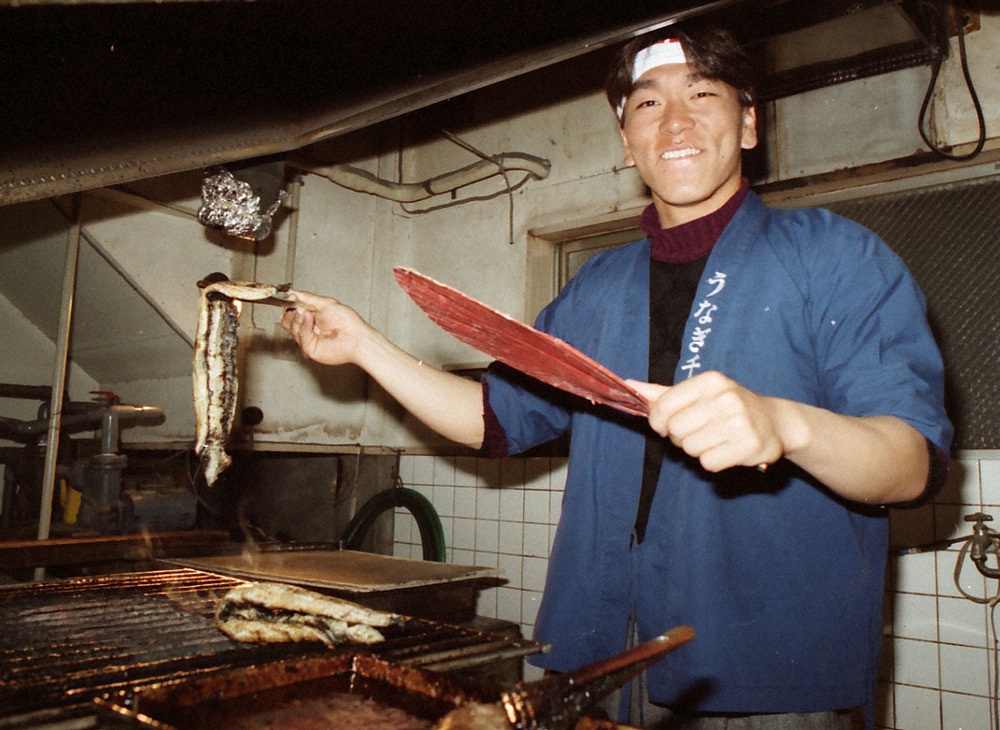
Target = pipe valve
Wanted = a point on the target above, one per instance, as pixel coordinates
(984, 540)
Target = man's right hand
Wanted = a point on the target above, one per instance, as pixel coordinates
(332, 333)
(326, 331)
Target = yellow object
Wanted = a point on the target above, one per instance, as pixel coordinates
(69, 499)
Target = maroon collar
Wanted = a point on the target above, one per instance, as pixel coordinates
(692, 240)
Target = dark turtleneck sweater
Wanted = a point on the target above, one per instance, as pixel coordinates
(678, 257)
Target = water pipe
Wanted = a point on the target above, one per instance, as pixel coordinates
(431, 532)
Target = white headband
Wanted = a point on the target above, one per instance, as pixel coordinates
(660, 53)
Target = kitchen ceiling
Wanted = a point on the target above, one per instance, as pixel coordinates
(100, 93)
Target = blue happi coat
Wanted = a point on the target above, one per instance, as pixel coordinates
(781, 580)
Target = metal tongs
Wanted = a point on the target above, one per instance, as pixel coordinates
(556, 702)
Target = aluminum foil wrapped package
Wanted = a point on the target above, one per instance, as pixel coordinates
(233, 205)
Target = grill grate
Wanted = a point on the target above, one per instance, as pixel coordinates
(68, 642)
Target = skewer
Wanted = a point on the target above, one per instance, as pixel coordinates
(278, 301)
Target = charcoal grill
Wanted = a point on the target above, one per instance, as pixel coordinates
(67, 643)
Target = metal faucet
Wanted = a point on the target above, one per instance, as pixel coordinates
(983, 541)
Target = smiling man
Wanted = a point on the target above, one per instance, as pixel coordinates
(685, 134)
(795, 393)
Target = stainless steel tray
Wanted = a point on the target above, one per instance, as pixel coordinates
(340, 570)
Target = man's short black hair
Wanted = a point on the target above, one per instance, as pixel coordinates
(713, 52)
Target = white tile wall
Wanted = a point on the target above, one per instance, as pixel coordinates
(938, 660)
(940, 657)
(496, 513)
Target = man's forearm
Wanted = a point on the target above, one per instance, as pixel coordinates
(449, 404)
(875, 459)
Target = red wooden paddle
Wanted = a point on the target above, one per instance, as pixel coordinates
(514, 343)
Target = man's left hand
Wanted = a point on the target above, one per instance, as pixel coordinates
(714, 419)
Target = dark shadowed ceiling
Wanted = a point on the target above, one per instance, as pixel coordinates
(98, 93)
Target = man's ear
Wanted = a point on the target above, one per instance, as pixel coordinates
(629, 160)
(748, 134)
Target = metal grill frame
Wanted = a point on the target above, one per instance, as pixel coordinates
(72, 641)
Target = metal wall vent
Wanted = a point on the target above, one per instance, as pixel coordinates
(947, 235)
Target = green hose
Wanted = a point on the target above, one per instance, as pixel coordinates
(431, 532)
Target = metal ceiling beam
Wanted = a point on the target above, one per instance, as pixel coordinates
(48, 155)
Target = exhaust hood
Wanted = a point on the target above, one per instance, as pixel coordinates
(103, 93)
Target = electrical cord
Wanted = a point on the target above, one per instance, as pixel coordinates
(928, 547)
(508, 190)
(958, 573)
(992, 602)
(941, 42)
(503, 171)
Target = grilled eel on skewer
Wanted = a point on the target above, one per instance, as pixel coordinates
(216, 385)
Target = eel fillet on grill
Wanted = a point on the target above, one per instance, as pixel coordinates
(216, 385)
(276, 613)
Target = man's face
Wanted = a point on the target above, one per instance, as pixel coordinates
(685, 135)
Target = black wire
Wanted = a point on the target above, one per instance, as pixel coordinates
(502, 170)
(507, 190)
(928, 547)
(941, 41)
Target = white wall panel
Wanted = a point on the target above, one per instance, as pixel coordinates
(851, 124)
(164, 255)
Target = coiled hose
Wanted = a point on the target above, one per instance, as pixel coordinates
(428, 522)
